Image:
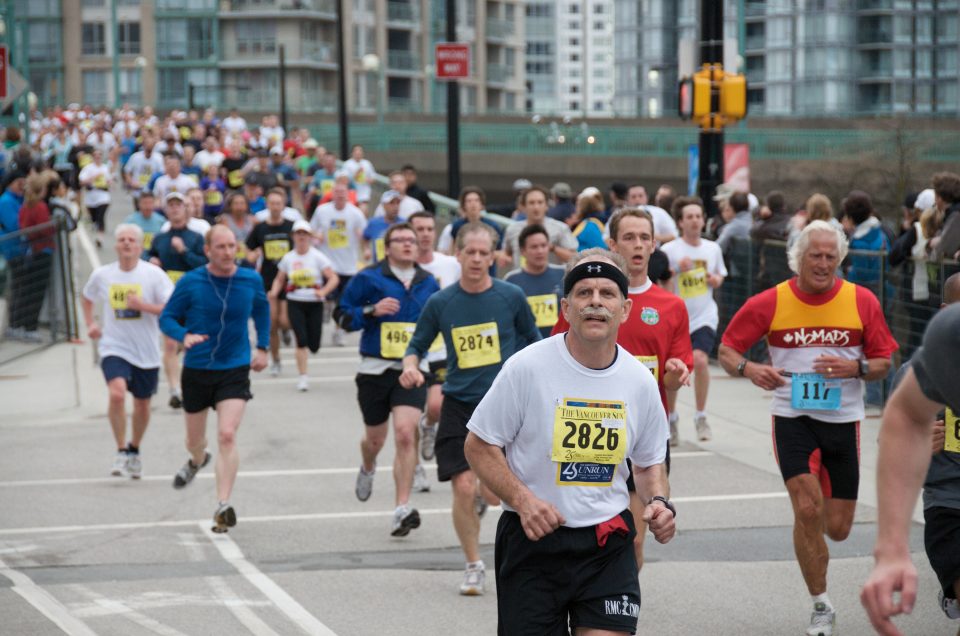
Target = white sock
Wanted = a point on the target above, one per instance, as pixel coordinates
(475, 565)
(175, 391)
(822, 598)
(304, 376)
(674, 417)
(700, 414)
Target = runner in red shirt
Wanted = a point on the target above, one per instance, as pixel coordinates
(657, 331)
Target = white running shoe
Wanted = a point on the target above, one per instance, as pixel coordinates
(134, 466)
(474, 579)
(405, 519)
(428, 439)
(275, 369)
(950, 606)
(119, 464)
(303, 383)
(674, 433)
(421, 483)
(339, 337)
(822, 621)
(704, 434)
(364, 486)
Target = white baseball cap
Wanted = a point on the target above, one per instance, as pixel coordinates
(302, 226)
(925, 200)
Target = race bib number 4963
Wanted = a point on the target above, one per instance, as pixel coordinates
(394, 338)
(589, 431)
(477, 345)
(951, 442)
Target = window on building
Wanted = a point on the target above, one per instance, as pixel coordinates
(573, 25)
(95, 87)
(598, 9)
(574, 57)
(574, 41)
(574, 105)
(92, 40)
(185, 39)
(256, 37)
(948, 97)
(44, 42)
(128, 38)
(947, 27)
(46, 83)
(92, 3)
(575, 89)
(539, 10)
(946, 61)
(174, 82)
(574, 8)
(189, 5)
(599, 25)
(131, 86)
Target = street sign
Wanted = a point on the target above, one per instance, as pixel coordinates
(15, 86)
(452, 60)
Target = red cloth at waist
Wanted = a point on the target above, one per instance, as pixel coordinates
(614, 525)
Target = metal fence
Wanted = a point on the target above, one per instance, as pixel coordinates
(37, 297)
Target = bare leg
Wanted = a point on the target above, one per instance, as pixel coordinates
(672, 401)
(701, 378)
(197, 435)
(434, 402)
(405, 419)
(229, 416)
(171, 366)
(140, 420)
(301, 354)
(465, 519)
(589, 631)
(371, 445)
(116, 411)
(275, 329)
(808, 528)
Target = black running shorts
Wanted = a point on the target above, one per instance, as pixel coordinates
(378, 394)
(306, 320)
(565, 576)
(941, 538)
(451, 436)
(828, 450)
(204, 388)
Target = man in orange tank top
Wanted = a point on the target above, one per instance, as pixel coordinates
(826, 336)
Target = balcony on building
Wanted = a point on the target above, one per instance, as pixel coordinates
(499, 29)
(403, 12)
(251, 8)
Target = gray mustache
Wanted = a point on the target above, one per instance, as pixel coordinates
(596, 312)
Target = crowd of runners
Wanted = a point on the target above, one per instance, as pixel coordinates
(536, 355)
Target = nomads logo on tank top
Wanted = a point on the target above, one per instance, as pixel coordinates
(797, 325)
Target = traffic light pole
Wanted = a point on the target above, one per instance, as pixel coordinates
(711, 139)
(453, 113)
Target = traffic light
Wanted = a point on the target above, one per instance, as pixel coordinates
(713, 98)
(733, 97)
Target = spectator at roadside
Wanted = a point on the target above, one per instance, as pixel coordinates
(946, 189)
(563, 206)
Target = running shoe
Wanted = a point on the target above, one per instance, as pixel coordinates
(188, 471)
(405, 519)
(339, 337)
(474, 578)
(421, 483)
(119, 464)
(674, 433)
(134, 466)
(428, 439)
(275, 369)
(303, 384)
(364, 485)
(479, 504)
(704, 434)
(950, 606)
(224, 518)
(822, 621)
(175, 401)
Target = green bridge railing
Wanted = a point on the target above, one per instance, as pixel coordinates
(667, 143)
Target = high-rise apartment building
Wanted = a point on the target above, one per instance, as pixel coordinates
(570, 55)
(801, 57)
(226, 53)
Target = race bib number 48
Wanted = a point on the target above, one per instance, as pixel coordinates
(394, 338)
(587, 431)
(477, 345)
(118, 300)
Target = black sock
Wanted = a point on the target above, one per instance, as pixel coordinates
(133, 450)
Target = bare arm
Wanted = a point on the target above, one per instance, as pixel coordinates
(93, 329)
(538, 518)
(763, 375)
(652, 482)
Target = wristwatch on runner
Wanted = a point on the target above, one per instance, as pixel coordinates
(741, 367)
(864, 367)
(666, 503)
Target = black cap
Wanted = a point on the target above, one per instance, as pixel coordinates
(619, 189)
(910, 200)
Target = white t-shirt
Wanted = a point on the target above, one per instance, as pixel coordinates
(618, 409)
(140, 168)
(362, 174)
(234, 125)
(164, 185)
(131, 335)
(446, 269)
(200, 226)
(99, 178)
(163, 147)
(304, 273)
(342, 235)
(204, 159)
(408, 206)
(289, 214)
(445, 242)
(692, 285)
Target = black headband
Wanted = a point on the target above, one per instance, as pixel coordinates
(595, 269)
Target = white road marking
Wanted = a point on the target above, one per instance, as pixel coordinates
(118, 608)
(285, 603)
(326, 516)
(299, 472)
(87, 246)
(45, 603)
(260, 380)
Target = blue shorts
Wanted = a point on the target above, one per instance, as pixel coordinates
(142, 383)
(703, 339)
